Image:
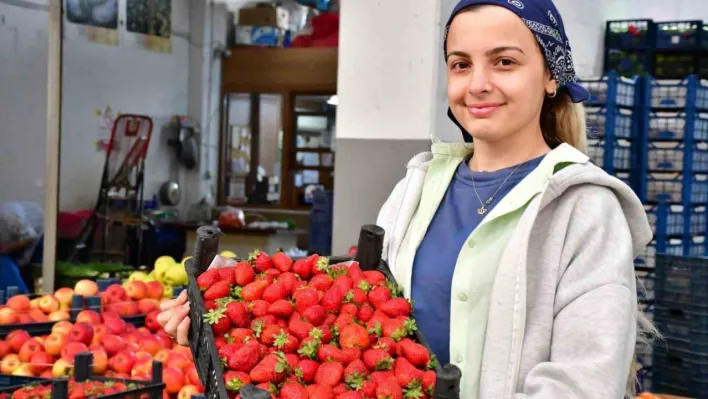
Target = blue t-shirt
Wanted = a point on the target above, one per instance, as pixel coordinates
(437, 254)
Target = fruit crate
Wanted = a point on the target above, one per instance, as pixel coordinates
(610, 155)
(675, 126)
(611, 91)
(83, 373)
(629, 34)
(682, 280)
(10, 382)
(203, 342)
(610, 122)
(674, 187)
(687, 35)
(688, 93)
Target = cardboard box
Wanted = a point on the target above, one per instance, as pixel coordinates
(265, 15)
(259, 36)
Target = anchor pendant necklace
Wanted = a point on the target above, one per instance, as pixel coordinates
(483, 208)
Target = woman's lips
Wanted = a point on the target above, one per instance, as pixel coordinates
(483, 110)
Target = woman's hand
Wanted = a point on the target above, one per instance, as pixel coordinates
(174, 314)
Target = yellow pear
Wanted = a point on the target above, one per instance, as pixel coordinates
(175, 275)
(142, 276)
(228, 254)
(161, 265)
(151, 277)
(169, 291)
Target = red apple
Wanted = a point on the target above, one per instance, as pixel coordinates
(163, 356)
(151, 322)
(37, 315)
(192, 378)
(100, 362)
(173, 379)
(155, 290)
(18, 303)
(113, 344)
(64, 295)
(16, 339)
(59, 315)
(4, 349)
(7, 316)
(136, 290)
(81, 332)
(115, 293)
(99, 331)
(24, 318)
(86, 288)
(115, 325)
(151, 345)
(48, 304)
(187, 391)
(72, 349)
(88, 316)
(29, 348)
(54, 343)
(184, 350)
(122, 362)
(9, 363)
(142, 366)
(62, 368)
(25, 370)
(148, 305)
(62, 327)
(41, 362)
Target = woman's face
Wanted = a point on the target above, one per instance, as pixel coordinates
(496, 75)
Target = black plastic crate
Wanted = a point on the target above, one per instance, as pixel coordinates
(680, 336)
(674, 66)
(682, 280)
(83, 372)
(627, 63)
(14, 381)
(686, 35)
(629, 34)
(203, 343)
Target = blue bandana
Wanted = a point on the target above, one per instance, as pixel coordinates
(544, 21)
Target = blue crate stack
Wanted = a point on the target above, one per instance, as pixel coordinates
(320, 224)
(612, 123)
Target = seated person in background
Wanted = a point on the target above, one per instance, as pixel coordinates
(21, 229)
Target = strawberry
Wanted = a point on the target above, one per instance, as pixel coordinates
(344, 283)
(220, 289)
(289, 279)
(299, 327)
(210, 305)
(355, 370)
(235, 380)
(282, 261)
(350, 395)
(321, 282)
(377, 359)
(293, 391)
(332, 299)
(322, 333)
(354, 270)
(273, 368)
(389, 389)
(415, 353)
(244, 274)
(349, 308)
(286, 343)
(368, 389)
(281, 308)
(240, 335)
(315, 314)
(207, 279)
(350, 354)
(343, 320)
(374, 277)
(302, 268)
(227, 274)
(396, 307)
(318, 391)
(365, 312)
(406, 373)
(275, 292)
(330, 319)
(226, 351)
(340, 389)
(246, 358)
(379, 295)
(356, 296)
(272, 274)
(259, 308)
(398, 328)
(305, 297)
(238, 314)
(269, 333)
(337, 270)
(306, 370)
(219, 322)
(327, 352)
(320, 265)
(260, 261)
(387, 344)
(254, 290)
(428, 379)
(220, 342)
(308, 348)
(354, 336)
(329, 374)
(269, 387)
(297, 285)
(380, 376)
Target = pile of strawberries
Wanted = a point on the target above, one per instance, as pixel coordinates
(308, 329)
(77, 390)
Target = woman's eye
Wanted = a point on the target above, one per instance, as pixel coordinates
(506, 62)
(460, 65)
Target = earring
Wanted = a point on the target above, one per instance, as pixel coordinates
(553, 95)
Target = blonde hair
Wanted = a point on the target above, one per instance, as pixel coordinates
(563, 121)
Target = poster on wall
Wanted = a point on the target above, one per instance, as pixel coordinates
(151, 20)
(97, 19)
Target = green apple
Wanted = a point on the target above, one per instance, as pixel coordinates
(175, 275)
(139, 275)
(169, 291)
(228, 254)
(161, 265)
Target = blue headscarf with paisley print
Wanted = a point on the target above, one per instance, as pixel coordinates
(544, 21)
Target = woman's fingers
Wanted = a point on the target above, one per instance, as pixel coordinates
(178, 315)
(183, 332)
(172, 303)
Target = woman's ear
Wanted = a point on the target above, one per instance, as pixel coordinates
(551, 86)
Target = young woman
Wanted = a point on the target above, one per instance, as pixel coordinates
(517, 251)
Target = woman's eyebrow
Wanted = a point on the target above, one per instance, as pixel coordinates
(495, 50)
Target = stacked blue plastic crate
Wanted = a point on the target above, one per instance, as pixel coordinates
(674, 161)
(611, 119)
(680, 362)
(320, 224)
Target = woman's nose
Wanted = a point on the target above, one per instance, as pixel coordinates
(479, 82)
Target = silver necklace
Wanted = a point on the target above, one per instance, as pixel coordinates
(483, 209)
